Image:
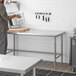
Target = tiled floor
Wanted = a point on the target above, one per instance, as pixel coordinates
(47, 65)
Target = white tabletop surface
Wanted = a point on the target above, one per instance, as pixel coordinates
(17, 64)
(41, 32)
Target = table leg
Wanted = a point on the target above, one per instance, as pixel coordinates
(55, 54)
(61, 48)
(34, 71)
(14, 43)
(22, 74)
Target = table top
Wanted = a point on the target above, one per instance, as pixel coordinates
(17, 64)
(36, 32)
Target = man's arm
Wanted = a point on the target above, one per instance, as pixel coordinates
(12, 16)
(3, 13)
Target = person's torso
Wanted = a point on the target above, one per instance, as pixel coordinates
(3, 19)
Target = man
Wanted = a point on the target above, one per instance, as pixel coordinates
(4, 27)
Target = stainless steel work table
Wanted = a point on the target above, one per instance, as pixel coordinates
(18, 64)
(44, 33)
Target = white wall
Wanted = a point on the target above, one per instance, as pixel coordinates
(63, 18)
(63, 13)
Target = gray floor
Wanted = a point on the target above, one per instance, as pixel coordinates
(40, 73)
(47, 65)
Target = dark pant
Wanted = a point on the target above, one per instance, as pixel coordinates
(3, 42)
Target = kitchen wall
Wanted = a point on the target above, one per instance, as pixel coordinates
(63, 18)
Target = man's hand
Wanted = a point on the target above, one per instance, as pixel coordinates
(18, 16)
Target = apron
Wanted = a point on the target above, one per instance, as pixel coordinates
(3, 42)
